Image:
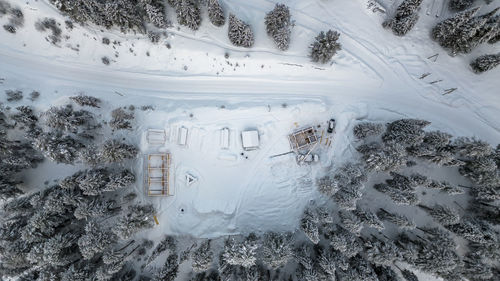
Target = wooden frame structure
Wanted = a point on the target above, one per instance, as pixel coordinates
(156, 137)
(157, 174)
(303, 138)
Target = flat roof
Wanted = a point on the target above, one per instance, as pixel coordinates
(250, 138)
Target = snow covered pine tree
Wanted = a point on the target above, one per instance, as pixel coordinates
(215, 13)
(460, 5)
(406, 17)
(485, 63)
(465, 31)
(278, 26)
(188, 13)
(325, 46)
(240, 34)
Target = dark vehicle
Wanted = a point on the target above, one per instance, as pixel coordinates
(331, 126)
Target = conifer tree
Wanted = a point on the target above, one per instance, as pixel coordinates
(442, 214)
(367, 129)
(351, 222)
(215, 13)
(241, 253)
(309, 224)
(369, 219)
(485, 63)
(155, 12)
(405, 18)
(94, 241)
(399, 220)
(278, 26)
(137, 218)
(344, 241)
(325, 46)
(84, 100)
(188, 13)
(406, 132)
(240, 34)
(276, 249)
(381, 251)
(460, 5)
(202, 257)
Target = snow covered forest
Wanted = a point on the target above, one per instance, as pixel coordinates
(408, 190)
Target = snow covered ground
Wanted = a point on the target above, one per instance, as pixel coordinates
(374, 77)
(237, 191)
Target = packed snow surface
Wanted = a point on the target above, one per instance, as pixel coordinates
(192, 84)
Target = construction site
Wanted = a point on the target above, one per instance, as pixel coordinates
(214, 164)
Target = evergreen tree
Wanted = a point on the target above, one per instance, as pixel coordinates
(169, 271)
(327, 185)
(405, 18)
(351, 222)
(167, 243)
(396, 219)
(241, 253)
(276, 249)
(445, 31)
(472, 147)
(155, 12)
(408, 275)
(121, 119)
(95, 208)
(367, 129)
(137, 218)
(385, 158)
(463, 32)
(485, 63)
(84, 100)
(25, 117)
(400, 188)
(309, 224)
(369, 219)
(381, 252)
(215, 13)
(444, 215)
(359, 269)
(436, 258)
(67, 119)
(115, 151)
(474, 32)
(460, 5)
(385, 273)
(344, 241)
(57, 147)
(468, 229)
(94, 241)
(436, 147)
(202, 257)
(188, 13)
(278, 26)
(325, 46)
(349, 179)
(330, 260)
(240, 34)
(406, 132)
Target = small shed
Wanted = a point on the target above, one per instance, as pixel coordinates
(302, 139)
(224, 138)
(183, 134)
(250, 139)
